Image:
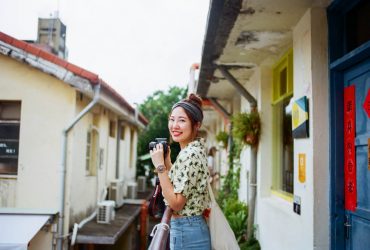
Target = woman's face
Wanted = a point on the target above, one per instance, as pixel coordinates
(180, 127)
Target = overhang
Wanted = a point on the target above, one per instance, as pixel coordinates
(18, 228)
(242, 35)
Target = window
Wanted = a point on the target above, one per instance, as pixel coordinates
(92, 152)
(283, 78)
(282, 113)
(357, 25)
(9, 136)
(123, 131)
(112, 128)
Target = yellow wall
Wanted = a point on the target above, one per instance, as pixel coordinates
(46, 105)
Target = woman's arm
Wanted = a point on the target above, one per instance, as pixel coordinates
(175, 200)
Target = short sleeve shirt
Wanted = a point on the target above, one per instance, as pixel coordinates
(189, 175)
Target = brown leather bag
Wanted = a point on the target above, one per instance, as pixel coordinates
(156, 203)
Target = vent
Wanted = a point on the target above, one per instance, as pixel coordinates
(106, 212)
(141, 184)
(131, 190)
(116, 192)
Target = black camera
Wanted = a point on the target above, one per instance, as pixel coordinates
(163, 141)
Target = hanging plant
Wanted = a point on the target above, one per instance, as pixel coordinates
(222, 137)
(247, 127)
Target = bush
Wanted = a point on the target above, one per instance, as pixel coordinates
(252, 244)
(236, 213)
(222, 137)
(247, 127)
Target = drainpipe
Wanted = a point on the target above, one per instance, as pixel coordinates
(253, 171)
(65, 132)
(118, 145)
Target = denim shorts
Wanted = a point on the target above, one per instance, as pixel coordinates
(189, 232)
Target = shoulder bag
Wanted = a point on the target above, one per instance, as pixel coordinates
(222, 236)
(156, 203)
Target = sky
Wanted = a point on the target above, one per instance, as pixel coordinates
(137, 46)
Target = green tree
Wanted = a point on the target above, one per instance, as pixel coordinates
(156, 109)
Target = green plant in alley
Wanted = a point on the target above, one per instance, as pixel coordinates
(156, 109)
(251, 244)
(246, 127)
(235, 211)
(222, 137)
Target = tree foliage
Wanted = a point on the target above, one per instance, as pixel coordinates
(156, 109)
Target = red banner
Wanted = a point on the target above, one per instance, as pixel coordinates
(350, 186)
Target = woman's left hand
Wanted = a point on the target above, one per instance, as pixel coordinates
(157, 155)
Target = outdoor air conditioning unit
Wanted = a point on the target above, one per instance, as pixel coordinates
(105, 212)
(116, 192)
(131, 190)
(141, 183)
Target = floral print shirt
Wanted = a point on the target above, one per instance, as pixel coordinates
(189, 175)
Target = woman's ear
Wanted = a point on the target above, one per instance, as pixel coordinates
(198, 125)
(196, 129)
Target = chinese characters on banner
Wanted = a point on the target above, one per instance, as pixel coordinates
(350, 190)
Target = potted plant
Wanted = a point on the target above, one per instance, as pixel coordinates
(222, 137)
(247, 127)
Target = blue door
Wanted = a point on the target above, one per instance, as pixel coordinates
(357, 222)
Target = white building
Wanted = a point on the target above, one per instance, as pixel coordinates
(274, 54)
(65, 135)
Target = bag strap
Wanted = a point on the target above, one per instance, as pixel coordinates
(210, 192)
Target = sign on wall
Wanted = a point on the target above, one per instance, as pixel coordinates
(349, 127)
(297, 204)
(300, 118)
(302, 168)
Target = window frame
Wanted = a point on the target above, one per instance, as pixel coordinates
(14, 119)
(278, 99)
(92, 156)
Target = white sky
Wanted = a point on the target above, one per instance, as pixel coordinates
(136, 46)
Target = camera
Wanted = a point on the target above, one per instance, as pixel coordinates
(163, 141)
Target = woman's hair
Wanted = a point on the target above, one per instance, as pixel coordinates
(212, 151)
(196, 101)
(193, 108)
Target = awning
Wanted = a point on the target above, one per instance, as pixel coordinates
(17, 230)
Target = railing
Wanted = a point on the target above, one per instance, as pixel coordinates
(160, 239)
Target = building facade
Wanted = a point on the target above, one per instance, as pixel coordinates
(66, 135)
(303, 65)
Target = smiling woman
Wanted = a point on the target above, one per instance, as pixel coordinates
(184, 183)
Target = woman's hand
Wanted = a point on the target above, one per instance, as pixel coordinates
(157, 155)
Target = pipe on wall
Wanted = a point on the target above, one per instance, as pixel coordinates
(63, 170)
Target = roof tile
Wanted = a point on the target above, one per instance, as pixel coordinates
(32, 49)
(5, 38)
(19, 44)
(74, 68)
(60, 62)
(91, 76)
(46, 55)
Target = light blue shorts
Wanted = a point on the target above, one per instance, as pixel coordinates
(189, 232)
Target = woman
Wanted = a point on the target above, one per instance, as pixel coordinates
(184, 183)
(211, 162)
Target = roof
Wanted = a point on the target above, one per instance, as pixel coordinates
(242, 36)
(91, 77)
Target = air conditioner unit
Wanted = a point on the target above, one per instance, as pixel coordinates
(141, 183)
(105, 212)
(116, 192)
(131, 190)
